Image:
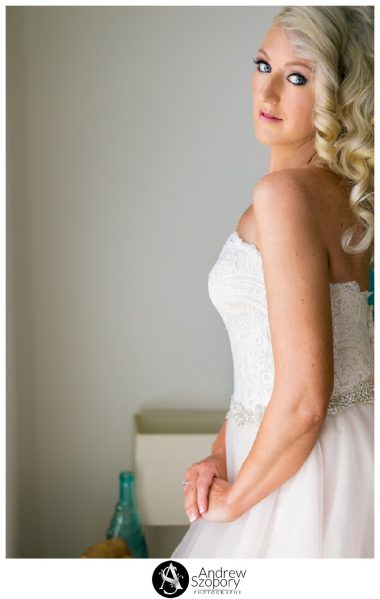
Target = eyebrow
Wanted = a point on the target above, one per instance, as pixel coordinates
(288, 64)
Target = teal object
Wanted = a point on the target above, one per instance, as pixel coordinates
(371, 286)
(126, 521)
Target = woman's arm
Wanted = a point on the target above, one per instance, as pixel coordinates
(219, 445)
(296, 274)
(284, 441)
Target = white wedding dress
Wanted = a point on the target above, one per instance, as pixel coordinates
(326, 509)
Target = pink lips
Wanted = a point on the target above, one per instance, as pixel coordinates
(266, 117)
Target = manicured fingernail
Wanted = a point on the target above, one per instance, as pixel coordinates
(202, 508)
(192, 517)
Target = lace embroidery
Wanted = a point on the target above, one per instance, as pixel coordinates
(362, 393)
(237, 290)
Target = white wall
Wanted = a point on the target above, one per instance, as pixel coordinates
(130, 158)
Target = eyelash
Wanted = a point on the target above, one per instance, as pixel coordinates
(304, 80)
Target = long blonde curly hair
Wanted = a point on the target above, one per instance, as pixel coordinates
(339, 42)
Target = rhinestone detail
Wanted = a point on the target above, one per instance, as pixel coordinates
(361, 393)
(243, 415)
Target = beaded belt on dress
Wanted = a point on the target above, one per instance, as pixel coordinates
(361, 393)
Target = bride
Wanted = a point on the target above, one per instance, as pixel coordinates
(291, 471)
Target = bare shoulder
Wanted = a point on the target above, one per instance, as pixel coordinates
(281, 178)
(308, 207)
(298, 184)
(287, 198)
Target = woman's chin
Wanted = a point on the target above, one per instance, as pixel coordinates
(265, 138)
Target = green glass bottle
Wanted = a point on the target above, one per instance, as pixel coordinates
(126, 521)
(371, 286)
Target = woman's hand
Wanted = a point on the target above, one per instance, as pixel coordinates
(218, 507)
(200, 476)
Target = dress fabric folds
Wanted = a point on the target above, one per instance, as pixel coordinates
(326, 509)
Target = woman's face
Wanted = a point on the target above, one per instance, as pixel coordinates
(283, 90)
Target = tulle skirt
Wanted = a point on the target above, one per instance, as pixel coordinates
(326, 509)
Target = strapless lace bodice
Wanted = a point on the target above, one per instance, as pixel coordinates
(237, 290)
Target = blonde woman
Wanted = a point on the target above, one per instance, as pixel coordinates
(291, 472)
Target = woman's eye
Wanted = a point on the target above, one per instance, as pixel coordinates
(259, 62)
(300, 79)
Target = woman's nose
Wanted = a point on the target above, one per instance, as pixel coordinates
(271, 89)
(270, 94)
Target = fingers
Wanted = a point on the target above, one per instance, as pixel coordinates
(190, 493)
(200, 477)
(203, 486)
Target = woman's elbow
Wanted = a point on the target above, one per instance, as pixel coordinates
(307, 405)
(313, 407)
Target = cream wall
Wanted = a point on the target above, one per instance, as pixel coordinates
(130, 158)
